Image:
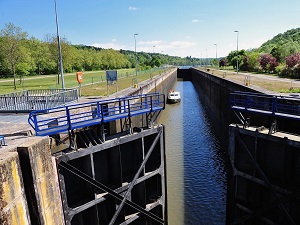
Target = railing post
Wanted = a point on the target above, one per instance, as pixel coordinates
(35, 123)
(128, 107)
(274, 105)
(64, 100)
(68, 118)
(98, 110)
(15, 102)
(248, 105)
(151, 103)
(102, 114)
(47, 102)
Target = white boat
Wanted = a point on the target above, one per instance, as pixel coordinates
(173, 97)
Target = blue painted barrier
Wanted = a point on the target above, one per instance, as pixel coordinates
(70, 117)
(274, 105)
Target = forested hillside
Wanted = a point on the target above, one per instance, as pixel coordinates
(280, 55)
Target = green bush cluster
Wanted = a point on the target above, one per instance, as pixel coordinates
(280, 55)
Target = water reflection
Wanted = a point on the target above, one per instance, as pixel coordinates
(196, 175)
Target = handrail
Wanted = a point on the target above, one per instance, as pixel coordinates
(26, 101)
(65, 118)
(281, 106)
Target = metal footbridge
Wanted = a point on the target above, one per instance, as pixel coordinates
(74, 116)
(272, 105)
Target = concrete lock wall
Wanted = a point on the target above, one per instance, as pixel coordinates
(29, 184)
(13, 204)
(262, 186)
(40, 181)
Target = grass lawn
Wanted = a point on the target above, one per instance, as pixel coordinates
(94, 82)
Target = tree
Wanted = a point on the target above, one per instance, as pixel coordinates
(41, 55)
(155, 62)
(250, 61)
(233, 56)
(267, 62)
(11, 46)
(292, 60)
(222, 62)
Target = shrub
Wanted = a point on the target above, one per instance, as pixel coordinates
(292, 60)
(267, 62)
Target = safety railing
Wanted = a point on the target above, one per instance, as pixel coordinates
(281, 106)
(66, 118)
(26, 101)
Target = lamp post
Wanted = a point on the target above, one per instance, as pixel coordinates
(237, 51)
(153, 48)
(206, 63)
(136, 66)
(216, 54)
(59, 50)
(201, 60)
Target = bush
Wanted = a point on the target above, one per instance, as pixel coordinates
(280, 68)
(292, 60)
(268, 62)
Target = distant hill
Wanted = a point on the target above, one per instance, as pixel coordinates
(287, 42)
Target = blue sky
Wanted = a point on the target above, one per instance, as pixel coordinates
(174, 27)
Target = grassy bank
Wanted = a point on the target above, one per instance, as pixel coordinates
(94, 82)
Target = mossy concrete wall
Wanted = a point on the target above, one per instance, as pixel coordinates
(41, 181)
(29, 191)
(13, 203)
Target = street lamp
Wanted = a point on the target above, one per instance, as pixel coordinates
(206, 58)
(59, 50)
(216, 50)
(201, 60)
(153, 48)
(136, 66)
(237, 51)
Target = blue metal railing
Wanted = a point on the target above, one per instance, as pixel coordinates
(70, 117)
(281, 106)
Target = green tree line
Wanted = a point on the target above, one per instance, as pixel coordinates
(280, 55)
(21, 55)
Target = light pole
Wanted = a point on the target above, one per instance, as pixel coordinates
(206, 59)
(153, 48)
(201, 60)
(136, 66)
(59, 50)
(216, 54)
(237, 51)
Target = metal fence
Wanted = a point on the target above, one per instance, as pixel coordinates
(28, 100)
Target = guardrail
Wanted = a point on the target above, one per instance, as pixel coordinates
(28, 100)
(66, 118)
(280, 106)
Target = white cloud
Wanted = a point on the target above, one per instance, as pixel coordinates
(174, 48)
(150, 42)
(195, 21)
(132, 8)
(182, 44)
(109, 45)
